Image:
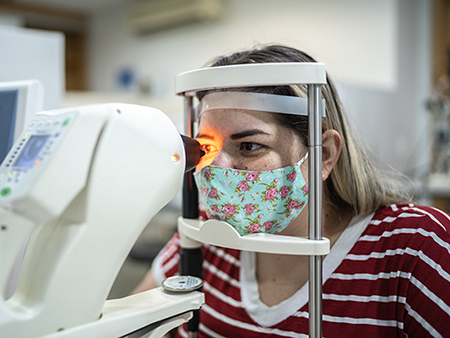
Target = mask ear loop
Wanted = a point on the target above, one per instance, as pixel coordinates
(303, 159)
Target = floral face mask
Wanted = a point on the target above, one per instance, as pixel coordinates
(253, 201)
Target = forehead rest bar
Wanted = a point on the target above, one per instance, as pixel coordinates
(256, 101)
(250, 75)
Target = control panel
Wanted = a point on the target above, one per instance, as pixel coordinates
(31, 152)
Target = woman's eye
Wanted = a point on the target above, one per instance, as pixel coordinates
(250, 146)
(207, 148)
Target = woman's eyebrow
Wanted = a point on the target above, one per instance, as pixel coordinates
(246, 133)
(206, 136)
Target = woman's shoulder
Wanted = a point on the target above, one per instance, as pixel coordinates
(215, 254)
(410, 225)
(412, 216)
(405, 250)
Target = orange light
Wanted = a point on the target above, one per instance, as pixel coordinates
(176, 158)
(37, 164)
(211, 146)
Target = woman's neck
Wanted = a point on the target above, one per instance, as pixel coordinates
(334, 222)
(281, 276)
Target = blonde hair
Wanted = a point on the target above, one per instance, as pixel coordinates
(355, 183)
(356, 180)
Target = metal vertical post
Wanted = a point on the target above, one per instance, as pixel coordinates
(315, 208)
(188, 115)
(191, 259)
(190, 193)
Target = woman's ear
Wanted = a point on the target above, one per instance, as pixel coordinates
(331, 149)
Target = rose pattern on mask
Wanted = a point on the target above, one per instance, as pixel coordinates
(253, 201)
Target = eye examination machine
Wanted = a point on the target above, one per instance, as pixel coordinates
(79, 186)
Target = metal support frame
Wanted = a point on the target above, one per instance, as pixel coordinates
(313, 75)
(315, 209)
(190, 194)
(191, 259)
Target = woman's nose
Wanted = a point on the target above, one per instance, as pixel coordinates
(223, 160)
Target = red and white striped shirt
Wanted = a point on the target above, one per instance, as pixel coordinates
(388, 275)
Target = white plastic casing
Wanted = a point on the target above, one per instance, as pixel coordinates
(102, 174)
(194, 231)
(247, 75)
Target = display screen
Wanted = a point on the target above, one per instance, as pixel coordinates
(32, 150)
(8, 111)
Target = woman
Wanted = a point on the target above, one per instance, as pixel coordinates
(388, 272)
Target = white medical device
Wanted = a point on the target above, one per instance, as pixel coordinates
(82, 183)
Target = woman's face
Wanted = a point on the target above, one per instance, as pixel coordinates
(247, 140)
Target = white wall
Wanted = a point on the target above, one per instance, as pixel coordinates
(11, 20)
(34, 54)
(372, 48)
(356, 38)
(395, 122)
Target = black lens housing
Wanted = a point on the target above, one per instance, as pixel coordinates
(192, 151)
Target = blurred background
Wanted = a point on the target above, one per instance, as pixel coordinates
(389, 58)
